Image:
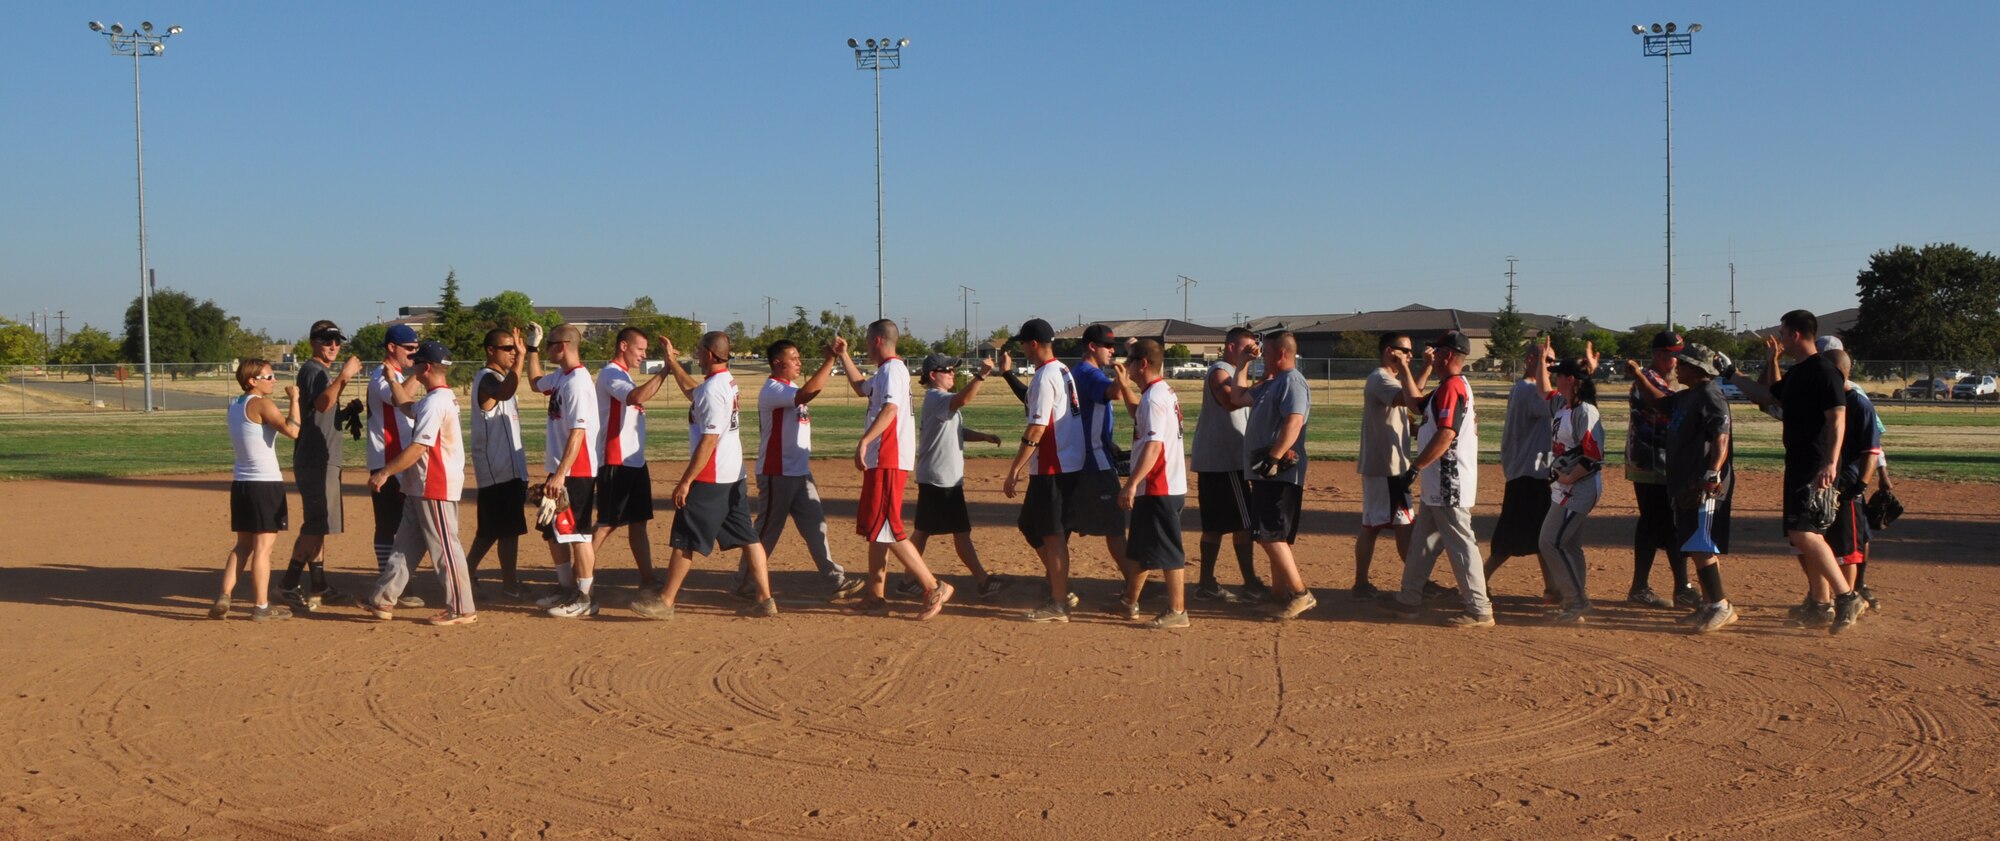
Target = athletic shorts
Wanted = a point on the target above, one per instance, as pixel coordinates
(1798, 497)
(624, 495)
(1849, 534)
(388, 506)
(1518, 531)
(1385, 501)
(1045, 510)
(319, 499)
(1656, 513)
(1094, 510)
(942, 510)
(257, 506)
(582, 505)
(1153, 540)
(879, 514)
(503, 510)
(1274, 510)
(714, 514)
(1224, 499)
(1687, 527)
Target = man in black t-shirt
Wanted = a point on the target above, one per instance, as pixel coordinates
(1700, 477)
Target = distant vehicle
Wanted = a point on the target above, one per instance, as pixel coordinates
(1924, 390)
(1024, 371)
(1952, 375)
(1188, 371)
(1974, 389)
(1730, 391)
(1605, 368)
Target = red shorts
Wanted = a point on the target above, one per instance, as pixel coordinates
(879, 517)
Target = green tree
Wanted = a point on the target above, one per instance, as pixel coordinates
(88, 346)
(1509, 341)
(1177, 353)
(183, 331)
(911, 348)
(246, 344)
(955, 343)
(1354, 344)
(1603, 341)
(1564, 341)
(453, 325)
(367, 342)
(739, 336)
(1939, 302)
(1714, 337)
(645, 315)
(21, 344)
(507, 309)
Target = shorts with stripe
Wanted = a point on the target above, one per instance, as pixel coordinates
(257, 507)
(1153, 540)
(1224, 499)
(714, 515)
(1385, 501)
(879, 515)
(429, 526)
(1045, 508)
(1849, 534)
(582, 492)
(503, 510)
(320, 507)
(942, 510)
(624, 495)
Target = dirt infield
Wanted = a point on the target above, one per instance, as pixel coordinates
(131, 714)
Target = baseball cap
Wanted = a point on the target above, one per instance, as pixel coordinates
(1668, 340)
(325, 330)
(1571, 367)
(565, 333)
(1826, 343)
(1453, 340)
(939, 362)
(1701, 358)
(1035, 330)
(1099, 334)
(401, 334)
(432, 353)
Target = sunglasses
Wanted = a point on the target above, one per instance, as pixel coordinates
(327, 341)
(265, 377)
(503, 348)
(1402, 350)
(1549, 361)
(410, 347)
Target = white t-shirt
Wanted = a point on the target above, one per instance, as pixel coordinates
(497, 455)
(889, 391)
(385, 436)
(624, 424)
(1052, 403)
(714, 412)
(440, 474)
(1454, 478)
(784, 430)
(572, 405)
(1159, 419)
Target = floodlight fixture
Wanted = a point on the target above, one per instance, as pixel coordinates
(146, 25)
(1656, 29)
(871, 43)
(96, 27)
(903, 43)
(175, 29)
(1638, 30)
(1667, 41)
(1670, 27)
(851, 43)
(118, 29)
(1693, 28)
(879, 54)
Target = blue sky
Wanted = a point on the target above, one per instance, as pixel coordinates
(1063, 159)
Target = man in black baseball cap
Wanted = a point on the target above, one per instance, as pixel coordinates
(1646, 469)
(316, 464)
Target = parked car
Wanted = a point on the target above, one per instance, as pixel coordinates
(1188, 371)
(1730, 391)
(1952, 375)
(1975, 388)
(1924, 390)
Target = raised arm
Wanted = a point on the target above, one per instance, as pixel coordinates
(1231, 391)
(287, 422)
(837, 352)
(330, 396)
(964, 396)
(1014, 382)
(682, 379)
(814, 384)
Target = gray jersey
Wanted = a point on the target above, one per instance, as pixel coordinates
(1526, 435)
(1218, 431)
(1385, 427)
(1278, 398)
(940, 442)
(319, 442)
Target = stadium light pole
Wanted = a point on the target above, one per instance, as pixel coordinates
(875, 56)
(965, 312)
(1666, 41)
(140, 43)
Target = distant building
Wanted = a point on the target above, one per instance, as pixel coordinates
(1201, 341)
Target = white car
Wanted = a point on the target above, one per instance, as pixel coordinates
(1952, 375)
(1188, 371)
(1974, 388)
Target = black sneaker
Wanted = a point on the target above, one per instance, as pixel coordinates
(332, 595)
(1646, 598)
(1256, 591)
(1846, 610)
(1364, 591)
(1868, 596)
(1811, 614)
(1435, 593)
(1390, 603)
(1211, 591)
(910, 587)
(1687, 597)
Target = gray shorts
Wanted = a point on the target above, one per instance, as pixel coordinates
(1095, 508)
(319, 499)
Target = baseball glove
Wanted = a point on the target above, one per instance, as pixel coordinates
(1263, 466)
(546, 506)
(349, 418)
(1818, 506)
(1882, 509)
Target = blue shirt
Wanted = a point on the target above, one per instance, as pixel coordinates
(1093, 391)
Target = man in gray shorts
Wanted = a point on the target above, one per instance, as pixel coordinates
(785, 486)
(316, 465)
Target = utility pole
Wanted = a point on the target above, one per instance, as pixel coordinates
(965, 312)
(1510, 281)
(62, 327)
(1183, 286)
(768, 301)
(1732, 296)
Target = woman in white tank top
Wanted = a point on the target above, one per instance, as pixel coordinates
(257, 492)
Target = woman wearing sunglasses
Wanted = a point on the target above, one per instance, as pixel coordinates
(257, 494)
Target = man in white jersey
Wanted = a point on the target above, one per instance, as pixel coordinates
(625, 485)
(1156, 491)
(432, 464)
(571, 460)
(885, 457)
(940, 473)
(500, 463)
(1448, 465)
(785, 486)
(712, 496)
(1222, 489)
(1052, 453)
(390, 394)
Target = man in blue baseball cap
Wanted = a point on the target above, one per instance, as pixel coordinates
(389, 427)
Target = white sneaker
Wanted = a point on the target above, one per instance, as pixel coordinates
(555, 596)
(578, 605)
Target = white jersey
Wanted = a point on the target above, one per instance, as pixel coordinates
(1052, 403)
(1159, 419)
(572, 405)
(624, 431)
(388, 427)
(440, 474)
(784, 430)
(714, 412)
(255, 445)
(1452, 480)
(497, 454)
(889, 391)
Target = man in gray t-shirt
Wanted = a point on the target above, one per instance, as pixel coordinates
(1223, 491)
(1526, 437)
(1274, 455)
(940, 467)
(1384, 458)
(316, 464)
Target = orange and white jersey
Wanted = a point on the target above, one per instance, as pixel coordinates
(440, 474)
(572, 405)
(714, 412)
(388, 428)
(784, 430)
(889, 391)
(1159, 419)
(624, 430)
(1052, 403)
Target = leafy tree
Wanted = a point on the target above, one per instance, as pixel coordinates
(246, 344)
(1354, 344)
(911, 348)
(645, 315)
(507, 309)
(1604, 341)
(1178, 353)
(367, 342)
(88, 346)
(1509, 341)
(739, 336)
(1714, 337)
(1939, 302)
(21, 344)
(955, 343)
(183, 331)
(455, 326)
(1564, 341)
(210, 331)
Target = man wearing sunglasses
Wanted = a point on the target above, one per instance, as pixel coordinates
(500, 463)
(390, 398)
(316, 464)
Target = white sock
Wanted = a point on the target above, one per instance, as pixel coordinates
(264, 606)
(583, 584)
(565, 574)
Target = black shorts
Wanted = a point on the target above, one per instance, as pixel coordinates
(257, 506)
(1153, 541)
(1045, 509)
(1519, 530)
(1656, 515)
(1224, 500)
(714, 514)
(1274, 510)
(388, 506)
(582, 492)
(1799, 496)
(942, 510)
(503, 510)
(319, 499)
(1849, 535)
(1687, 525)
(624, 495)
(1094, 509)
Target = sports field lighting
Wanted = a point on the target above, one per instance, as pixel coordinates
(875, 56)
(139, 45)
(1666, 42)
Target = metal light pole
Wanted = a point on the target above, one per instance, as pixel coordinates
(965, 312)
(1666, 42)
(140, 44)
(1182, 286)
(877, 55)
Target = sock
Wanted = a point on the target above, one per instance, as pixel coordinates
(1642, 563)
(1860, 574)
(565, 574)
(1210, 547)
(1677, 563)
(583, 584)
(1246, 562)
(318, 575)
(1711, 583)
(1846, 597)
(292, 571)
(264, 606)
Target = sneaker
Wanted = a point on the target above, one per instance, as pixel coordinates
(1365, 591)
(449, 618)
(848, 586)
(1390, 603)
(331, 595)
(1687, 597)
(219, 610)
(1119, 607)
(1470, 620)
(1256, 591)
(380, 613)
(762, 610)
(1847, 609)
(296, 595)
(1868, 596)
(1811, 614)
(555, 596)
(1694, 617)
(1646, 598)
(867, 606)
(1170, 619)
(1070, 601)
(935, 599)
(653, 607)
(270, 613)
(578, 606)
(518, 593)
(411, 602)
(994, 584)
(746, 590)
(1211, 591)
(909, 587)
(1435, 593)
(1296, 605)
(1566, 616)
(1049, 612)
(1718, 616)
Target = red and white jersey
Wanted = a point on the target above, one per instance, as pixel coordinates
(440, 474)
(714, 412)
(624, 432)
(1159, 419)
(1052, 403)
(388, 428)
(1452, 480)
(784, 430)
(889, 391)
(572, 405)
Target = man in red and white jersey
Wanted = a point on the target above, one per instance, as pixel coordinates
(1156, 491)
(432, 464)
(1052, 451)
(886, 455)
(390, 394)
(785, 486)
(713, 497)
(572, 459)
(625, 485)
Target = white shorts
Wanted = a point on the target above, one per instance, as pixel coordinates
(1385, 502)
